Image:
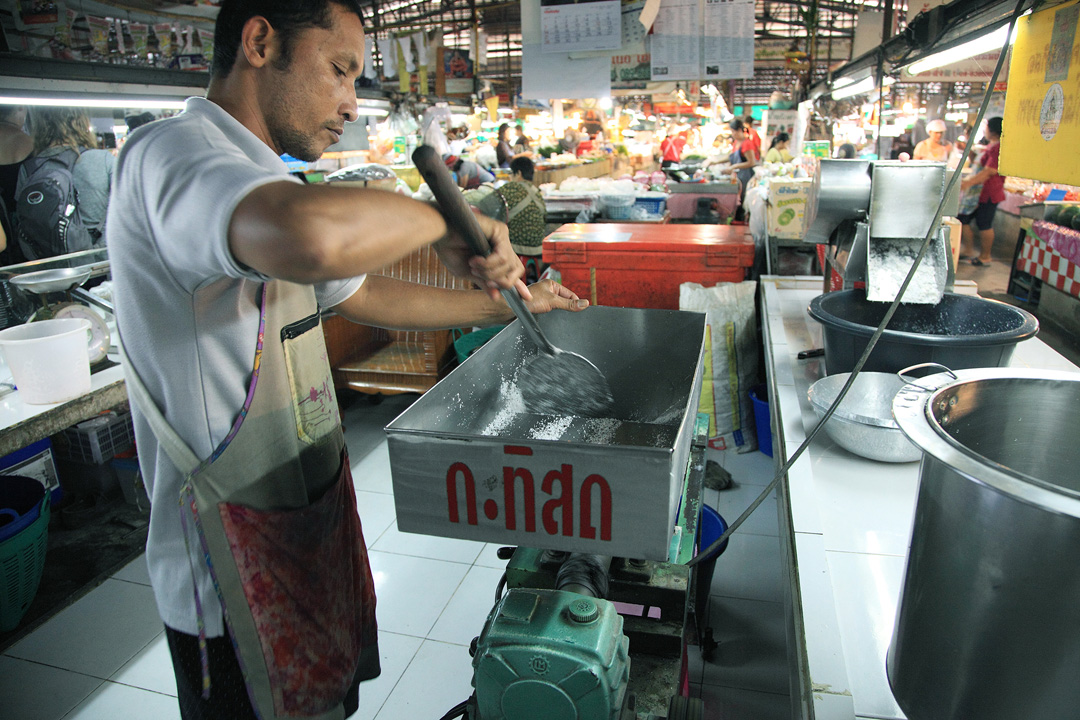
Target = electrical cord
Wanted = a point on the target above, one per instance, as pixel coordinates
(782, 472)
(456, 711)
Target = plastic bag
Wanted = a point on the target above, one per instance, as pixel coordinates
(969, 199)
(731, 360)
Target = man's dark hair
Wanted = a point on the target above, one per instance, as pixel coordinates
(749, 120)
(524, 166)
(736, 124)
(287, 17)
(994, 125)
(134, 121)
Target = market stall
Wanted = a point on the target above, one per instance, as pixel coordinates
(556, 173)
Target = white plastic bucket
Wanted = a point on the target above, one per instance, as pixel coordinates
(49, 360)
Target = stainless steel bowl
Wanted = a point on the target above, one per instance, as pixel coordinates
(863, 424)
(55, 280)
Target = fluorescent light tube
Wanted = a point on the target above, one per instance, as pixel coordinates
(987, 43)
(863, 86)
(117, 102)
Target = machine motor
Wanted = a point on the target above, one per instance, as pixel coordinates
(551, 655)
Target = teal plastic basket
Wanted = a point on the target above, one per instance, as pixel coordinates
(469, 343)
(22, 561)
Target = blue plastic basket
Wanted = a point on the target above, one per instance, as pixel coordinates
(651, 205)
(618, 213)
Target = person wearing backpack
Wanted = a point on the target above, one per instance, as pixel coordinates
(15, 147)
(63, 190)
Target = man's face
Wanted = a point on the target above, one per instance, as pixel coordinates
(309, 101)
(936, 136)
(738, 136)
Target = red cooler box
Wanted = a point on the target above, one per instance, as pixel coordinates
(641, 265)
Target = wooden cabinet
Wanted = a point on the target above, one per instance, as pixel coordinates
(374, 360)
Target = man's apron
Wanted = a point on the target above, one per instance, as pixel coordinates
(275, 517)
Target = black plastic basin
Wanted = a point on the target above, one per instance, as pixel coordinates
(962, 331)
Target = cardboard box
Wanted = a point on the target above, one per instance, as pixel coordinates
(786, 214)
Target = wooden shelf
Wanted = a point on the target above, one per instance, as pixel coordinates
(374, 360)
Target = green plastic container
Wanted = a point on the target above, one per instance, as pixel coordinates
(22, 561)
(469, 343)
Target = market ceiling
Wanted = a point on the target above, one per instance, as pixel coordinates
(775, 18)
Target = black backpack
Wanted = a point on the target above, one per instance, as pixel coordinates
(47, 218)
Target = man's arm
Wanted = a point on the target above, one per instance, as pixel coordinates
(978, 178)
(313, 233)
(401, 305)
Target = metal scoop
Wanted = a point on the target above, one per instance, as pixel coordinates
(555, 382)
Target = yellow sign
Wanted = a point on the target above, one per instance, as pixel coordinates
(1041, 127)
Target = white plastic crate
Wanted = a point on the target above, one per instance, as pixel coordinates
(98, 440)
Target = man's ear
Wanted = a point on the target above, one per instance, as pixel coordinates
(258, 42)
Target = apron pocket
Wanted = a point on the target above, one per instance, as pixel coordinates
(308, 586)
(310, 382)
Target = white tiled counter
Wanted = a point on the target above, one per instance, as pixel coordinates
(22, 424)
(845, 523)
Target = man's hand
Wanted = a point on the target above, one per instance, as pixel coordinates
(548, 295)
(501, 269)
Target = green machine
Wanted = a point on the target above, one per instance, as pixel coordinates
(590, 638)
(551, 655)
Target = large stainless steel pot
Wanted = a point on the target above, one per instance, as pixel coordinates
(988, 625)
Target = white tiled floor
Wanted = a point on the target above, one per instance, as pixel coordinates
(105, 657)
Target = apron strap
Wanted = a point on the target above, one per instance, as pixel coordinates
(530, 198)
(186, 462)
(178, 451)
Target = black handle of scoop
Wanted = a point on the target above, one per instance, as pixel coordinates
(460, 217)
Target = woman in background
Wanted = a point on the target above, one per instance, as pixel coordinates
(504, 153)
(56, 130)
(778, 149)
(15, 147)
(934, 147)
(744, 159)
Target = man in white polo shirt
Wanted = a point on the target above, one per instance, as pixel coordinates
(222, 263)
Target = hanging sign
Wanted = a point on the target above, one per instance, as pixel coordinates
(585, 25)
(1041, 124)
(676, 41)
(703, 39)
(729, 39)
(454, 75)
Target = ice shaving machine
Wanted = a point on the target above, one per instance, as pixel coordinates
(598, 515)
(874, 216)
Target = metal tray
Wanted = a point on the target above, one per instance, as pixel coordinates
(468, 462)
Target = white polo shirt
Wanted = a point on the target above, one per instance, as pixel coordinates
(188, 313)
